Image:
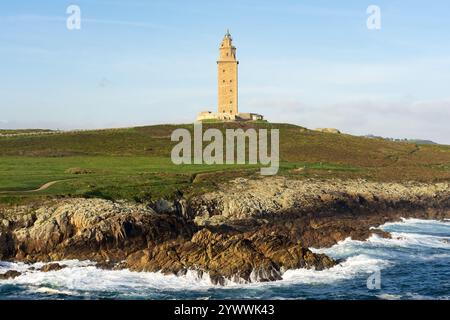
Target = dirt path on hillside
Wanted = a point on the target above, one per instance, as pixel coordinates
(41, 188)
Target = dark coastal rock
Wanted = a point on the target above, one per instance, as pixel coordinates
(319, 213)
(106, 264)
(52, 267)
(246, 230)
(239, 257)
(10, 274)
(274, 198)
(94, 229)
(6, 245)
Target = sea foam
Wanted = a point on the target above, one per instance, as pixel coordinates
(83, 278)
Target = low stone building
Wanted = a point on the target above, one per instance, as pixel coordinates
(223, 116)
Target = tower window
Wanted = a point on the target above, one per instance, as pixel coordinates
(223, 70)
(231, 80)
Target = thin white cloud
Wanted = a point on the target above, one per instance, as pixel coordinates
(136, 24)
(397, 119)
(43, 18)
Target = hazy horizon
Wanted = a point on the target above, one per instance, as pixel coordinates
(313, 64)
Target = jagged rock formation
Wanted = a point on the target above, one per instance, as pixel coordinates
(319, 213)
(104, 231)
(246, 230)
(52, 267)
(10, 274)
(238, 257)
(90, 229)
(267, 198)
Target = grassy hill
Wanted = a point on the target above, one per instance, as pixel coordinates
(134, 163)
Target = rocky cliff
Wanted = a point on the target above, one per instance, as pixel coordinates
(247, 230)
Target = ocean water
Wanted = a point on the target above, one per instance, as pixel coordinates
(414, 264)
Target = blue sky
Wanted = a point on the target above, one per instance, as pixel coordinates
(312, 63)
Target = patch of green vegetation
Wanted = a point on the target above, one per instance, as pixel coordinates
(442, 166)
(24, 131)
(320, 166)
(212, 121)
(134, 163)
(136, 178)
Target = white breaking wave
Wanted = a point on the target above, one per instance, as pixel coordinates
(387, 296)
(360, 257)
(84, 276)
(398, 239)
(414, 221)
(376, 253)
(52, 291)
(419, 226)
(360, 264)
(403, 239)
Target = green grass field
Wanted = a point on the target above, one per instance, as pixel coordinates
(134, 163)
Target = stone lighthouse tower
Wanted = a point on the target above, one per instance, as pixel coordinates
(227, 78)
(227, 67)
